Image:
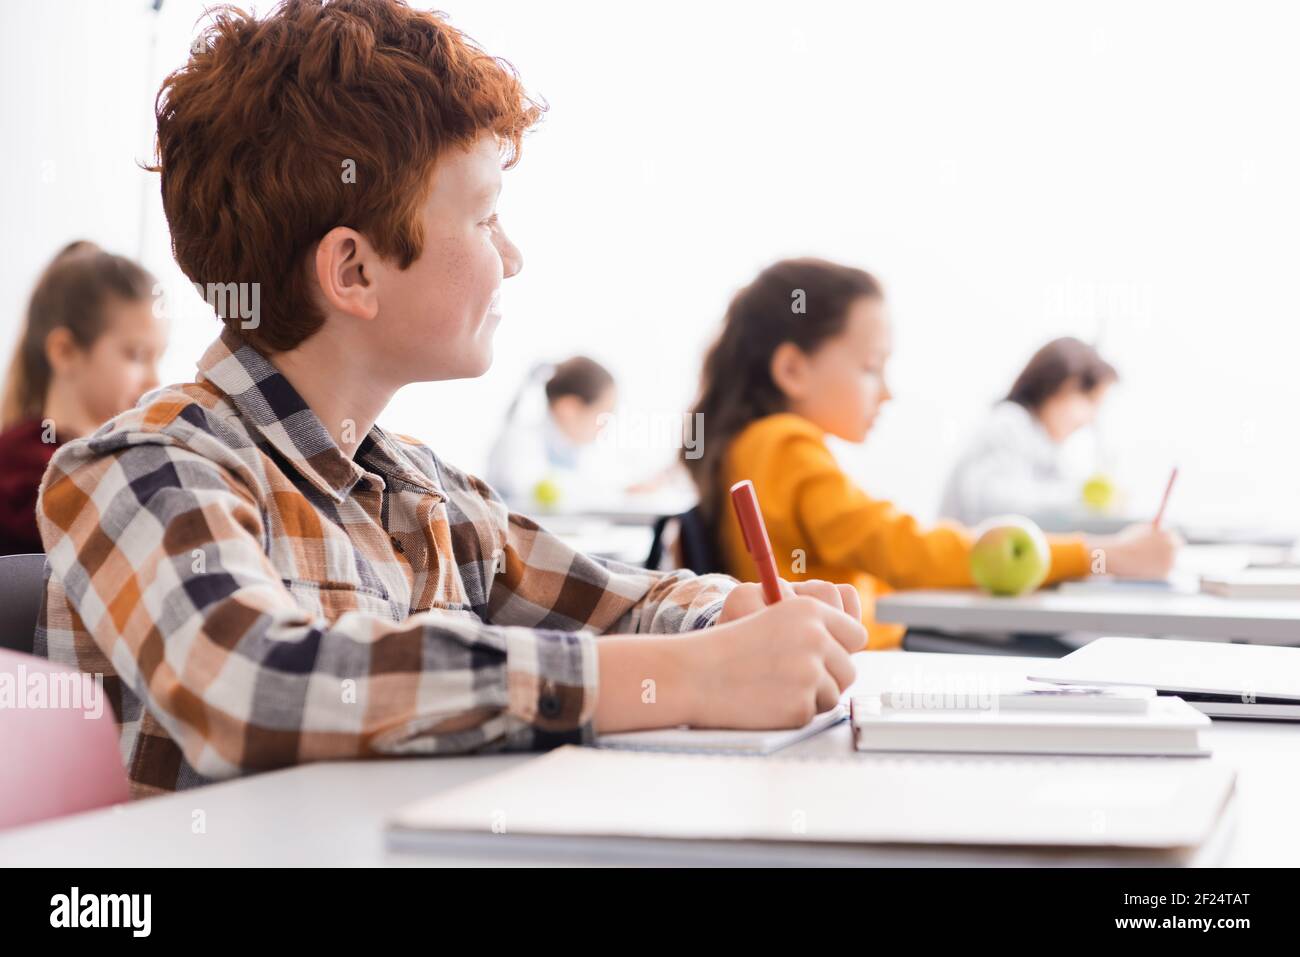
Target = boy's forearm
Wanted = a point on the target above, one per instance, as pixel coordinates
(644, 682)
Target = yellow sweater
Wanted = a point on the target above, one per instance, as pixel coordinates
(822, 525)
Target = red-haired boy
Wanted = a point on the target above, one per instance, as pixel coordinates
(264, 575)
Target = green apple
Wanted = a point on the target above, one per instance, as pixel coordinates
(546, 493)
(1099, 493)
(1010, 556)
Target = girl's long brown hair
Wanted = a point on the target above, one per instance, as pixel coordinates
(804, 301)
(71, 293)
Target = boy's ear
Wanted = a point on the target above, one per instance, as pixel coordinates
(346, 273)
(789, 369)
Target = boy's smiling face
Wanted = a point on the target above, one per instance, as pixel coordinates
(437, 317)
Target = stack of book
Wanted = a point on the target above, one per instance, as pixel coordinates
(1039, 718)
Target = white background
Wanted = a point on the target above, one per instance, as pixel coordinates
(1012, 171)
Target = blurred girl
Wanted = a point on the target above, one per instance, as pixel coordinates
(545, 463)
(802, 355)
(88, 350)
(1014, 463)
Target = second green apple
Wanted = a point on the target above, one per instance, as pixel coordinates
(1010, 556)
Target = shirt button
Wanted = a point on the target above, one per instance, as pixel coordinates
(549, 705)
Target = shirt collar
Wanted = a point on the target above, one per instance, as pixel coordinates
(267, 401)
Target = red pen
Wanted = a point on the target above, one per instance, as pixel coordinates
(757, 543)
(1164, 502)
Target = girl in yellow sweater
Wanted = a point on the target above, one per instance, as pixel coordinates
(802, 355)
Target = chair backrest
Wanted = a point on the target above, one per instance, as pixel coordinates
(58, 742)
(22, 589)
(683, 541)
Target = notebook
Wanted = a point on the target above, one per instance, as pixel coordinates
(1264, 583)
(1165, 726)
(630, 807)
(720, 741)
(1109, 584)
(1218, 679)
(1016, 695)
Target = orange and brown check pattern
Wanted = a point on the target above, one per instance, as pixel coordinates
(256, 598)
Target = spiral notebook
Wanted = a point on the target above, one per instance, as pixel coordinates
(619, 806)
(1220, 679)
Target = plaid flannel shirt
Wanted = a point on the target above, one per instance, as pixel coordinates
(256, 598)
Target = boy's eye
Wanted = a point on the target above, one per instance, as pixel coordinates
(490, 221)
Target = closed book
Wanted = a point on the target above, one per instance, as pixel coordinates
(1261, 583)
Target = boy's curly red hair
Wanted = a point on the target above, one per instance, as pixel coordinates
(255, 133)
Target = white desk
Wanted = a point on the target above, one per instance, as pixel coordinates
(332, 814)
(643, 509)
(629, 544)
(1114, 609)
(1194, 533)
(1149, 614)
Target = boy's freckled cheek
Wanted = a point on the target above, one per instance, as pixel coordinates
(458, 274)
(459, 282)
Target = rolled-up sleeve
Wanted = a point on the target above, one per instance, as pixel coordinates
(542, 581)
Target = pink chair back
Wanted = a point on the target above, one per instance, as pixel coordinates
(58, 742)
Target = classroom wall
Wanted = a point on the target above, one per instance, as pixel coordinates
(1012, 171)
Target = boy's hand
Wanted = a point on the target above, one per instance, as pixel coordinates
(747, 598)
(776, 667)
